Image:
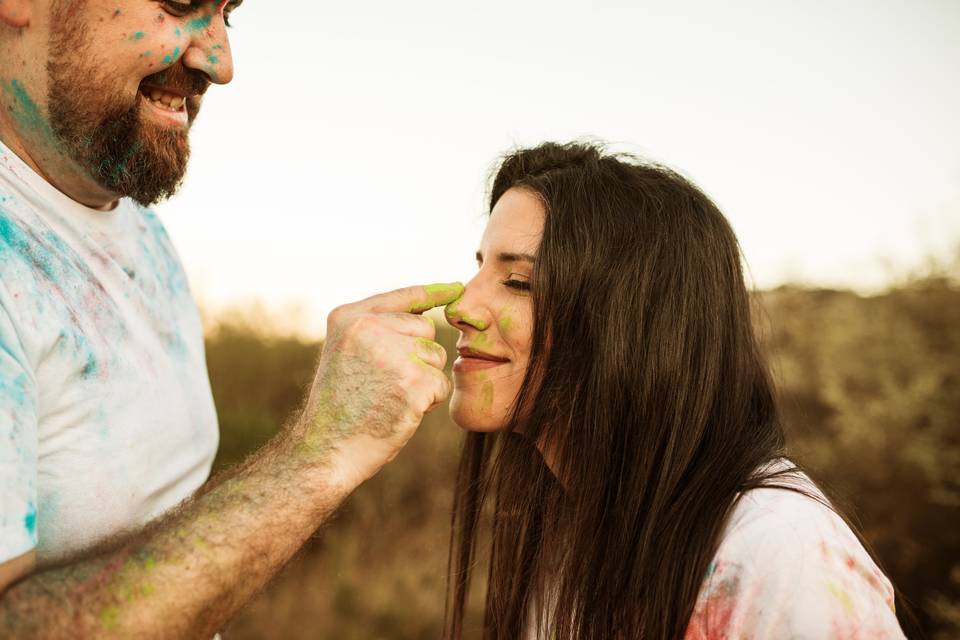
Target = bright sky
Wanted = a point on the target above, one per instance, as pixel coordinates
(350, 154)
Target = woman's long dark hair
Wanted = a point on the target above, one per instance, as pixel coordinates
(647, 384)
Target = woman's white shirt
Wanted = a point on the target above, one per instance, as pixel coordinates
(787, 567)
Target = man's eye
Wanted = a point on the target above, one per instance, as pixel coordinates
(227, 10)
(178, 9)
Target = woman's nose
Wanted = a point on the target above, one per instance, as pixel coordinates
(467, 310)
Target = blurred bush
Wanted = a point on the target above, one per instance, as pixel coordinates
(870, 389)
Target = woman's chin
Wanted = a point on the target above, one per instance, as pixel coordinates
(472, 416)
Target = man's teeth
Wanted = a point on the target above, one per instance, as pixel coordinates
(165, 100)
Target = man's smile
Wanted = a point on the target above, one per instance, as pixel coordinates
(169, 103)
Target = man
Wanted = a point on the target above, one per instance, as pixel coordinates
(106, 417)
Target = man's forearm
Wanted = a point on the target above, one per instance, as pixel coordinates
(189, 573)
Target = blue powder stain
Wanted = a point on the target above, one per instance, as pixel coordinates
(27, 112)
(30, 520)
(56, 241)
(173, 56)
(83, 349)
(14, 237)
(213, 59)
(177, 32)
(218, 47)
(199, 23)
(89, 369)
(15, 389)
(49, 508)
(137, 36)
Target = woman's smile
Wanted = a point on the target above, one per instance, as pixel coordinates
(472, 359)
(495, 316)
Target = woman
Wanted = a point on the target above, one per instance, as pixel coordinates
(622, 420)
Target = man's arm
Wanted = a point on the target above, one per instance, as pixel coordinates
(187, 574)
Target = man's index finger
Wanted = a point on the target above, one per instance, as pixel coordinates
(436, 295)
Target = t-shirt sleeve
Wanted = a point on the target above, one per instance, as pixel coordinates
(802, 576)
(18, 443)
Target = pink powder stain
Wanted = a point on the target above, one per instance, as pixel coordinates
(713, 615)
(871, 576)
(712, 622)
(824, 550)
(110, 569)
(851, 630)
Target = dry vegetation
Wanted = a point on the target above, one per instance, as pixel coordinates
(871, 394)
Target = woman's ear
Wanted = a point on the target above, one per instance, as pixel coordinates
(16, 13)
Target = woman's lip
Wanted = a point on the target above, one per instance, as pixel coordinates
(471, 363)
(468, 352)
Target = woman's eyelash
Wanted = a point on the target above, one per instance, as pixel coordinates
(521, 285)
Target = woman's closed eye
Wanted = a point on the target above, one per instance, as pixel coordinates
(518, 282)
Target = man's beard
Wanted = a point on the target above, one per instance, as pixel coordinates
(99, 128)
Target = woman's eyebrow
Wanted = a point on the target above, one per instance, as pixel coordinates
(516, 257)
(510, 257)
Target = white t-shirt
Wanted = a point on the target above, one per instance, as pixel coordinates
(788, 567)
(106, 414)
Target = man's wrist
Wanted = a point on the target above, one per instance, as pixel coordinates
(321, 461)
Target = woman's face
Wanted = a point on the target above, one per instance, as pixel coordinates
(495, 316)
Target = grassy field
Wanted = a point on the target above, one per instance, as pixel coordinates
(870, 388)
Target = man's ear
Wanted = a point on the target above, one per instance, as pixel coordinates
(16, 13)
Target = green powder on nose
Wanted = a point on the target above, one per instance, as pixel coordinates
(454, 315)
(451, 312)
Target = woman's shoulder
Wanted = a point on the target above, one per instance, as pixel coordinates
(789, 566)
(792, 503)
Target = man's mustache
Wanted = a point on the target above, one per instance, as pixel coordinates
(179, 79)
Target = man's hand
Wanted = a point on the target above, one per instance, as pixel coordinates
(186, 574)
(380, 372)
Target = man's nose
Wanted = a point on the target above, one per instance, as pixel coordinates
(209, 50)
